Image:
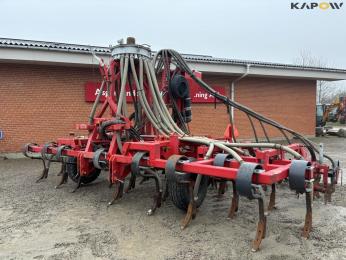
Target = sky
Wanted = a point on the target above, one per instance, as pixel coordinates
(266, 30)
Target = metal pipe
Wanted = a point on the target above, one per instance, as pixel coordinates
(96, 102)
(233, 86)
(321, 152)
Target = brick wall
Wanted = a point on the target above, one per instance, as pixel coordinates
(41, 103)
(289, 102)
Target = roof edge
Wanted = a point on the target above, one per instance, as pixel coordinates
(203, 60)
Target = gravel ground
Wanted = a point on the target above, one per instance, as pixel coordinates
(40, 222)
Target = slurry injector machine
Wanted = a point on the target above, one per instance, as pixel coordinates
(154, 142)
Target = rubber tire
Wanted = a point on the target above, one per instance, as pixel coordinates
(179, 86)
(71, 168)
(179, 192)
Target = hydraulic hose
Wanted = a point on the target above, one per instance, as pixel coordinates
(244, 145)
(182, 64)
(161, 102)
(144, 103)
(208, 142)
(165, 61)
(157, 107)
(266, 145)
(122, 96)
(161, 105)
(104, 125)
(143, 96)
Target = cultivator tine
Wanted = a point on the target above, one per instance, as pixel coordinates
(63, 180)
(60, 158)
(132, 183)
(158, 186)
(308, 216)
(64, 176)
(246, 188)
(261, 226)
(191, 210)
(272, 202)
(46, 160)
(78, 185)
(156, 204)
(193, 186)
(298, 183)
(118, 192)
(146, 174)
(222, 188)
(62, 170)
(192, 207)
(235, 202)
(44, 175)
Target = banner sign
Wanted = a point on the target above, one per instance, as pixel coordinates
(197, 94)
(200, 95)
(92, 89)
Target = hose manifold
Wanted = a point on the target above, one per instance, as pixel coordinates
(131, 48)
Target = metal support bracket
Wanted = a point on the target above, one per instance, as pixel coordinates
(246, 188)
(296, 177)
(298, 183)
(96, 158)
(219, 160)
(243, 182)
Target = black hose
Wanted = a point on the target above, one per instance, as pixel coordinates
(253, 127)
(176, 112)
(106, 124)
(182, 64)
(264, 131)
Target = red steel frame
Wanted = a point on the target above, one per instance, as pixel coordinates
(159, 149)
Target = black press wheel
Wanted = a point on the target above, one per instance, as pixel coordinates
(71, 168)
(179, 191)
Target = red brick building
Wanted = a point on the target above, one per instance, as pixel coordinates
(42, 91)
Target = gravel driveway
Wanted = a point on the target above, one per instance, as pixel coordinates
(40, 222)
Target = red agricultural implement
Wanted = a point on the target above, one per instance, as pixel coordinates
(154, 142)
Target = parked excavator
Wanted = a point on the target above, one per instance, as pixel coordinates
(334, 112)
